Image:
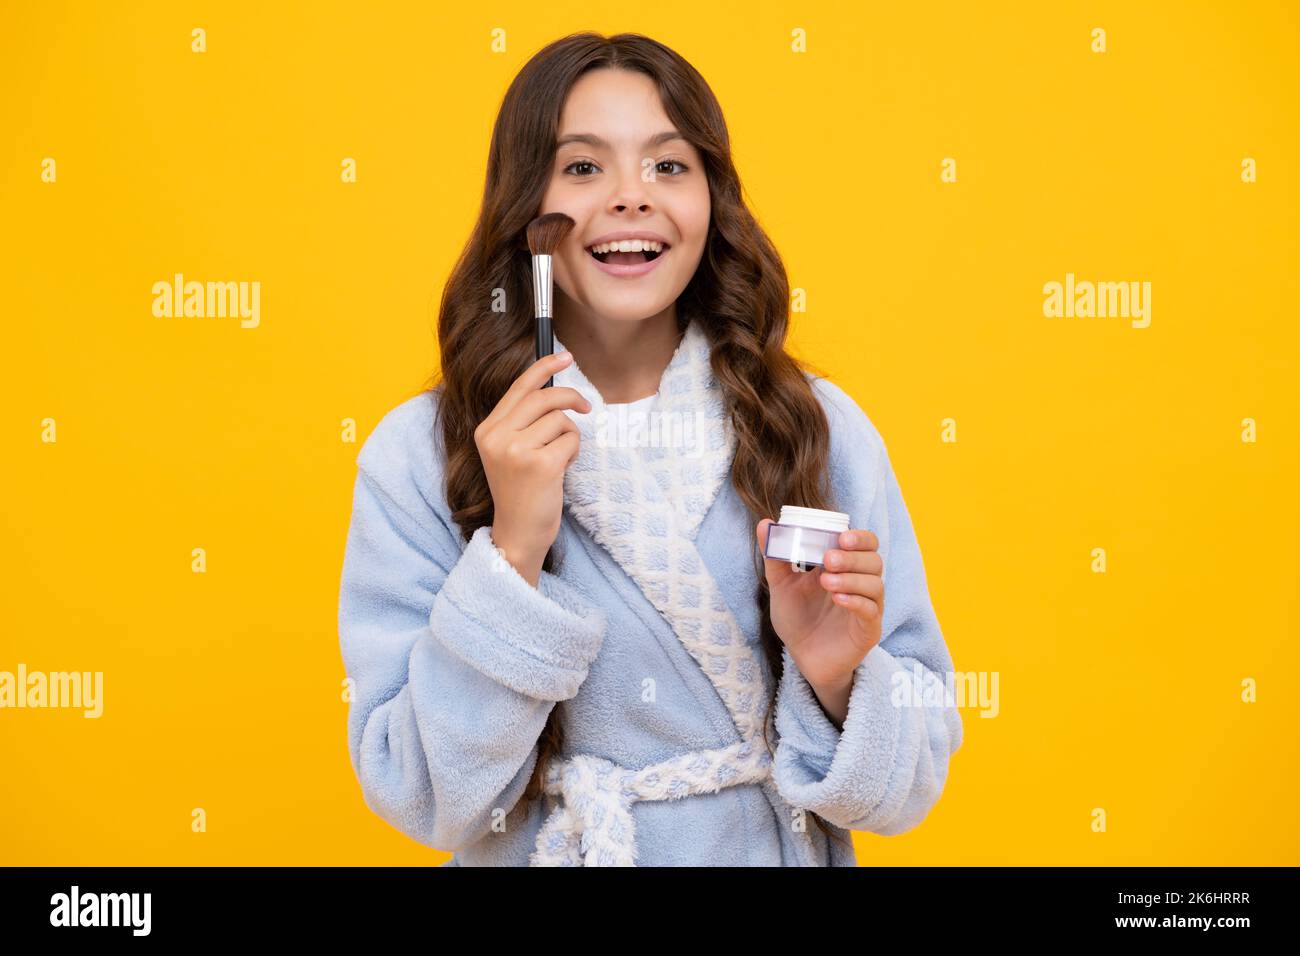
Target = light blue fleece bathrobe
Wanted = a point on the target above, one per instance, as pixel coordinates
(646, 637)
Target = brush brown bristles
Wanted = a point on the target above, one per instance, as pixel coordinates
(545, 233)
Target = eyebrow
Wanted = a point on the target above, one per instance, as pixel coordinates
(593, 140)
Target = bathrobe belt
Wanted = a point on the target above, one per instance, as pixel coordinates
(593, 826)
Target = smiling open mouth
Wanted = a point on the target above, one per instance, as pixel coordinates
(616, 257)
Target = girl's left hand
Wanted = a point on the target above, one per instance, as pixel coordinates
(829, 618)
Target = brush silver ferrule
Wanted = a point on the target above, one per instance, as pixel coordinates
(542, 285)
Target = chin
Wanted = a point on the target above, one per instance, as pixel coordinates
(631, 308)
(627, 311)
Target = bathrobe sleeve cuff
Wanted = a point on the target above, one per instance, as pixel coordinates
(868, 776)
(806, 732)
(538, 641)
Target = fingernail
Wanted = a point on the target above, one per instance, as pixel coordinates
(564, 356)
(850, 539)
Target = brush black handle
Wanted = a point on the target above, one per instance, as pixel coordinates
(545, 344)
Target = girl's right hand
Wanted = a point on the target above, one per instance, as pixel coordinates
(525, 444)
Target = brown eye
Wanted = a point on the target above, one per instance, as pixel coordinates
(580, 162)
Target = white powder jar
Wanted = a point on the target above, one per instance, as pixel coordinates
(802, 536)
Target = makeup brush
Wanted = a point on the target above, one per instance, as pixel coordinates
(545, 233)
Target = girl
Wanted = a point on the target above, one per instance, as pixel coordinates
(628, 681)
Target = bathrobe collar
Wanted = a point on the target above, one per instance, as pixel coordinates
(642, 496)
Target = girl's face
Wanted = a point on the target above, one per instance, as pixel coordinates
(621, 167)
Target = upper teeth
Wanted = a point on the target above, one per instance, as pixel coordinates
(629, 245)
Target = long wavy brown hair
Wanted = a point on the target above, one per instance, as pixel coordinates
(739, 294)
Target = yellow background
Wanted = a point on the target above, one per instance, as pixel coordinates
(222, 690)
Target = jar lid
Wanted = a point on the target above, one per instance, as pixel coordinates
(814, 518)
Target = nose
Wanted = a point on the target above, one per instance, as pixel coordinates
(631, 193)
